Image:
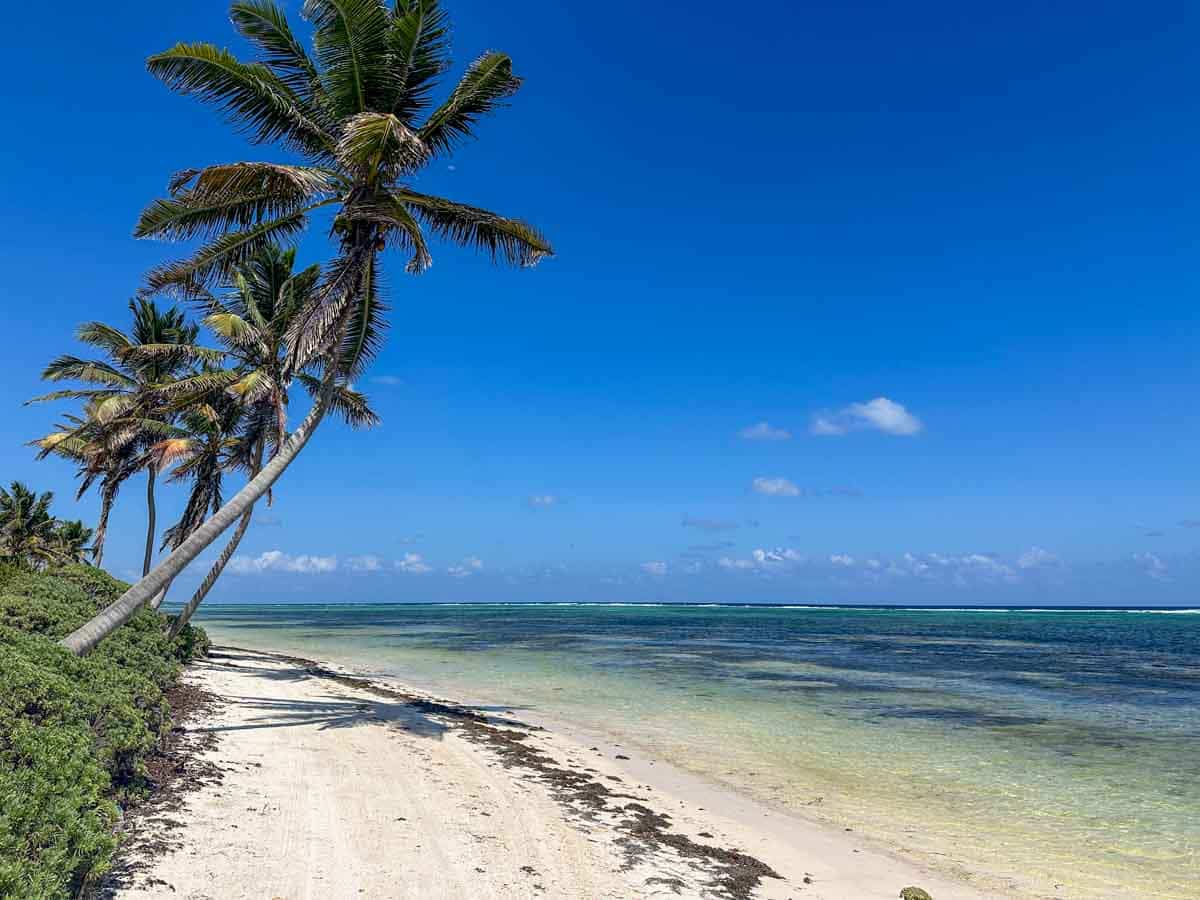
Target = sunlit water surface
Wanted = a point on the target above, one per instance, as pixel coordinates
(1063, 746)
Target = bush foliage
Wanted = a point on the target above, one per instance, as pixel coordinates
(74, 732)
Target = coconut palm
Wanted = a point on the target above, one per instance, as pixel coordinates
(71, 542)
(117, 388)
(360, 114)
(26, 526)
(106, 452)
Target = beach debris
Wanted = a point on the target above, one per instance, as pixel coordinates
(914, 893)
(620, 756)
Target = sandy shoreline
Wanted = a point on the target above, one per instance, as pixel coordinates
(336, 787)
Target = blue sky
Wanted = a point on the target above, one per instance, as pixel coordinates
(963, 239)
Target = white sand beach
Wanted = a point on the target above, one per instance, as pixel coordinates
(335, 788)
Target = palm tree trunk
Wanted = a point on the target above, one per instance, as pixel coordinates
(106, 502)
(85, 638)
(213, 574)
(151, 517)
(162, 595)
(218, 567)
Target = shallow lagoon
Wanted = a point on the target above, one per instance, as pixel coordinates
(1063, 745)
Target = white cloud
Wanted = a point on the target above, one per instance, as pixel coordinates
(469, 566)
(365, 563)
(1035, 558)
(764, 431)
(543, 500)
(1153, 566)
(726, 562)
(654, 567)
(880, 414)
(278, 561)
(841, 559)
(775, 487)
(413, 564)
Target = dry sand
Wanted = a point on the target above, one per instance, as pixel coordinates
(332, 788)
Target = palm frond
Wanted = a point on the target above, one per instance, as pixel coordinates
(365, 328)
(401, 230)
(169, 352)
(99, 334)
(509, 239)
(420, 43)
(266, 26)
(350, 37)
(315, 328)
(350, 404)
(487, 83)
(376, 144)
(253, 97)
(218, 258)
(89, 371)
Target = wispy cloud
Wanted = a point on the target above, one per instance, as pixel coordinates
(278, 561)
(366, 563)
(775, 487)
(386, 380)
(655, 567)
(267, 520)
(764, 431)
(880, 414)
(1154, 567)
(1036, 558)
(468, 567)
(413, 564)
(708, 524)
(1189, 523)
(542, 500)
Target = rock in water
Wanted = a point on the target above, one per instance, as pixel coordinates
(914, 893)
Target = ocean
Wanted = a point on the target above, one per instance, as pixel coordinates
(1058, 746)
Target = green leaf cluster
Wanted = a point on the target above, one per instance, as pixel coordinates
(74, 731)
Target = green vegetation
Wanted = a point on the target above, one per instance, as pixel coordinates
(30, 536)
(74, 731)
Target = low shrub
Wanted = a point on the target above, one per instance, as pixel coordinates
(74, 732)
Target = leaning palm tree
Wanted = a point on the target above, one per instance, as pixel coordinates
(360, 114)
(117, 387)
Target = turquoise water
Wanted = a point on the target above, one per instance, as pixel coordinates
(1060, 748)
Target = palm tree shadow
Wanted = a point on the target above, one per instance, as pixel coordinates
(332, 712)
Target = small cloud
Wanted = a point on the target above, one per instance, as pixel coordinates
(1189, 523)
(452, 168)
(764, 431)
(1155, 533)
(267, 520)
(365, 563)
(775, 487)
(412, 538)
(542, 500)
(413, 564)
(708, 524)
(1036, 558)
(1153, 566)
(880, 414)
(841, 559)
(278, 561)
(655, 567)
(386, 380)
(469, 566)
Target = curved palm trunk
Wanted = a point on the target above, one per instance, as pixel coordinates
(218, 567)
(85, 638)
(106, 502)
(211, 578)
(151, 519)
(162, 595)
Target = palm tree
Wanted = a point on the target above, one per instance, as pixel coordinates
(26, 526)
(71, 541)
(105, 451)
(360, 113)
(118, 387)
